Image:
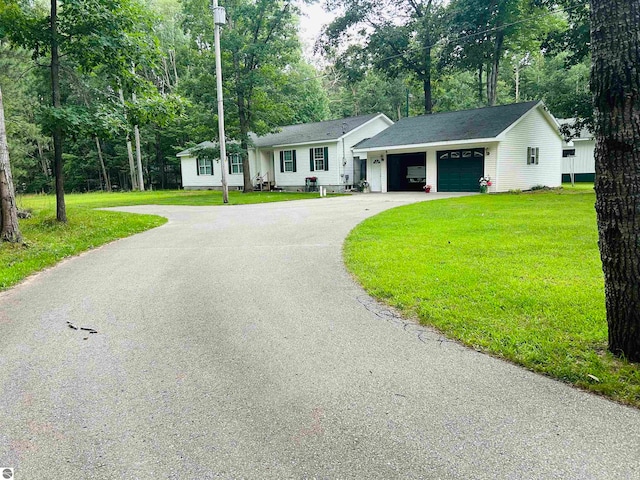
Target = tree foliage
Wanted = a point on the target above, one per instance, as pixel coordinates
(397, 38)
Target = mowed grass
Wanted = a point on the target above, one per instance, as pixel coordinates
(160, 197)
(514, 275)
(47, 241)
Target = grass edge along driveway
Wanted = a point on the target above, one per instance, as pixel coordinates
(514, 275)
(47, 242)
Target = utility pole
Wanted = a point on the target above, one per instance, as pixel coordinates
(219, 19)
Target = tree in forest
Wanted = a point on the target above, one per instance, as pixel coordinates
(86, 34)
(20, 80)
(483, 30)
(260, 46)
(9, 228)
(397, 38)
(615, 84)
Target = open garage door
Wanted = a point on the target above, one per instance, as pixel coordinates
(406, 172)
(460, 170)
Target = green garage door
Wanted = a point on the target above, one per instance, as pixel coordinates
(460, 170)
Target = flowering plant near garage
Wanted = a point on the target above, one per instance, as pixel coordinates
(484, 183)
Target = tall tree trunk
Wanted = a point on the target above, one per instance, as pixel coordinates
(426, 81)
(615, 84)
(9, 228)
(132, 166)
(160, 160)
(61, 211)
(517, 72)
(105, 176)
(136, 136)
(43, 160)
(492, 81)
(243, 117)
(480, 84)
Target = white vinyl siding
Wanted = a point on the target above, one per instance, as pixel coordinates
(584, 160)
(191, 180)
(513, 172)
(344, 151)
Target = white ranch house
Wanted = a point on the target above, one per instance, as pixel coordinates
(578, 155)
(518, 146)
(321, 150)
(291, 157)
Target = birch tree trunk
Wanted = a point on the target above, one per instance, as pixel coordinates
(136, 136)
(132, 167)
(9, 228)
(61, 210)
(615, 84)
(105, 175)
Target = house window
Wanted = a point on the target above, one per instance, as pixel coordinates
(363, 167)
(205, 166)
(235, 163)
(533, 155)
(318, 158)
(288, 161)
(568, 152)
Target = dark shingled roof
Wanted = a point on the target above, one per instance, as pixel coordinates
(486, 122)
(329, 130)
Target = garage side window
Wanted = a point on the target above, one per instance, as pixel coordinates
(533, 155)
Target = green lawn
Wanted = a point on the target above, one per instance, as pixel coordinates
(47, 242)
(515, 275)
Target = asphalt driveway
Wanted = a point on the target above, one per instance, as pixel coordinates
(231, 343)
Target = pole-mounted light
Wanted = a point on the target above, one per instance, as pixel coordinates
(219, 19)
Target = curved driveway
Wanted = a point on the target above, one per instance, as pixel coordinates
(233, 344)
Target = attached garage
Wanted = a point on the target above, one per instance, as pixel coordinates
(459, 148)
(460, 170)
(407, 172)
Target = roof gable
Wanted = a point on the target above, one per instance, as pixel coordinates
(327, 131)
(190, 151)
(479, 123)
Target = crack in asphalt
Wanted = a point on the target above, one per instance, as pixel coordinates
(422, 333)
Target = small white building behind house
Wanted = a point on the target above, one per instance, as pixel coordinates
(515, 145)
(314, 154)
(578, 155)
(205, 173)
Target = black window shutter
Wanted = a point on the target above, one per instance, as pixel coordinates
(537, 155)
(197, 166)
(229, 163)
(294, 161)
(281, 161)
(311, 160)
(326, 158)
(528, 155)
(211, 163)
